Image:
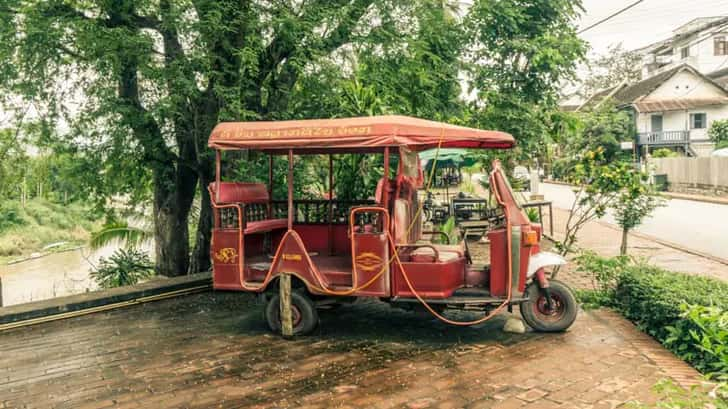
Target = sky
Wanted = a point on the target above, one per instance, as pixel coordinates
(643, 24)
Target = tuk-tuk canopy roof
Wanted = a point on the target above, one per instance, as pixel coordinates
(353, 134)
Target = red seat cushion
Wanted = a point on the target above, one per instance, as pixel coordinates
(267, 225)
(236, 192)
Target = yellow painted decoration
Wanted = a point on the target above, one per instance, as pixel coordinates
(226, 255)
(368, 261)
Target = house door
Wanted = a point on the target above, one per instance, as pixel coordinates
(656, 123)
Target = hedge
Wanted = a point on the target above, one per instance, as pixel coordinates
(688, 314)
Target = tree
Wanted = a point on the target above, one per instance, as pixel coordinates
(718, 133)
(156, 78)
(142, 83)
(517, 55)
(598, 184)
(635, 202)
(610, 69)
(601, 129)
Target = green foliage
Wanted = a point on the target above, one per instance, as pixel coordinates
(610, 69)
(605, 128)
(124, 267)
(11, 215)
(655, 299)
(604, 273)
(27, 229)
(532, 214)
(158, 75)
(598, 184)
(636, 201)
(664, 153)
(518, 52)
(701, 338)
(673, 396)
(449, 229)
(718, 132)
(130, 236)
(687, 314)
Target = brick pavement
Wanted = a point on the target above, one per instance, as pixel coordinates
(213, 350)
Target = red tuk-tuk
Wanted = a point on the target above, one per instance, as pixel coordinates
(336, 250)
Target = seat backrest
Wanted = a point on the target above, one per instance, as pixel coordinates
(239, 192)
(401, 221)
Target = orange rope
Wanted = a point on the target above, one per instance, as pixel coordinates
(322, 288)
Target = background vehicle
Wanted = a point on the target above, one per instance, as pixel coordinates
(373, 248)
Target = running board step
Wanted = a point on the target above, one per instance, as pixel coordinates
(462, 300)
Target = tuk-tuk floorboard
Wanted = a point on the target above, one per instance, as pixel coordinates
(214, 350)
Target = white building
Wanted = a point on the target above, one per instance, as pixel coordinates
(672, 109)
(701, 43)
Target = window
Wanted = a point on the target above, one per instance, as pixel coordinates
(720, 46)
(697, 121)
(684, 52)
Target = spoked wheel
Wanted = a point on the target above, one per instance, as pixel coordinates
(303, 313)
(543, 317)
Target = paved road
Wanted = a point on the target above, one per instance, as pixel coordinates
(695, 225)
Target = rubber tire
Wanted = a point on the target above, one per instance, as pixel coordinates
(309, 315)
(564, 293)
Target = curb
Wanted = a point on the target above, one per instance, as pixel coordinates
(66, 307)
(695, 198)
(669, 195)
(668, 244)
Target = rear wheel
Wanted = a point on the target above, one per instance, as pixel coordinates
(303, 312)
(555, 318)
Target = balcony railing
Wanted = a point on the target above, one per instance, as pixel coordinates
(663, 138)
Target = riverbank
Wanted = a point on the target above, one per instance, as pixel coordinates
(42, 227)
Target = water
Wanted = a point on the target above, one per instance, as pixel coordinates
(54, 275)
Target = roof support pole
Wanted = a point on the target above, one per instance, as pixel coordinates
(385, 186)
(290, 189)
(270, 186)
(331, 204)
(217, 175)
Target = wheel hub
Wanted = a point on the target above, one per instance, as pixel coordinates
(557, 310)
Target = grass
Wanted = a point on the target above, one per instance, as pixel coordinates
(25, 230)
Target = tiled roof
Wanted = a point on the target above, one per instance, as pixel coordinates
(677, 104)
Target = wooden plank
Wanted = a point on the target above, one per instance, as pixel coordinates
(285, 305)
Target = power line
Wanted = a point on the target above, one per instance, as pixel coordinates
(609, 17)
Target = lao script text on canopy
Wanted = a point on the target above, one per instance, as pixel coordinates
(354, 133)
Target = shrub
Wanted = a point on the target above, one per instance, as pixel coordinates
(124, 267)
(11, 215)
(718, 131)
(701, 337)
(664, 153)
(687, 314)
(656, 300)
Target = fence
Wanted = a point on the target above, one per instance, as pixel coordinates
(699, 172)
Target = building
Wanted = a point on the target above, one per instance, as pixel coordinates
(672, 109)
(701, 43)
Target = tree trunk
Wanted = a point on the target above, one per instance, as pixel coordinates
(201, 253)
(172, 202)
(623, 247)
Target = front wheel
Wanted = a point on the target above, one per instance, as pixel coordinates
(303, 312)
(558, 317)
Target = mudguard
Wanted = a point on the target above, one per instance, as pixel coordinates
(543, 259)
